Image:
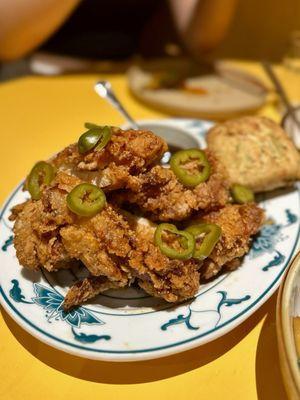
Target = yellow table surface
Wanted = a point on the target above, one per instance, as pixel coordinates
(38, 116)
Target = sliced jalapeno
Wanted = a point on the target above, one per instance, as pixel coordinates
(104, 137)
(96, 137)
(209, 233)
(86, 200)
(191, 167)
(41, 174)
(90, 125)
(186, 250)
(241, 194)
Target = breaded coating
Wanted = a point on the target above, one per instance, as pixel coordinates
(127, 153)
(48, 234)
(158, 275)
(238, 223)
(37, 237)
(38, 243)
(162, 197)
(16, 210)
(256, 152)
(118, 248)
(86, 289)
(111, 245)
(101, 243)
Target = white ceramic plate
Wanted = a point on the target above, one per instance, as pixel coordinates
(129, 325)
(228, 91)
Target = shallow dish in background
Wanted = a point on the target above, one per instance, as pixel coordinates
(173, 134)
(288, 314)
(128, 324)
(223, 93)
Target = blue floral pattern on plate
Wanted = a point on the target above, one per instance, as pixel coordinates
(50, 300)
(224, 301)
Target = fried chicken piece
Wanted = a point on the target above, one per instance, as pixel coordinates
(159, 194)
(112, 245)
(37, 241)
(160, 276)
(36, 231)
(102, 243)
(238, 223)
(86, 289)
(128, 153)
(48, 234)
(16, 210)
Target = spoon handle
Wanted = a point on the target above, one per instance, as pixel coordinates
(104, 90)
(281, 92)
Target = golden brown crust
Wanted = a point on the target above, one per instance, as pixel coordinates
(110, 244)
(256, 152)
(238, 224)
(102, 243)
(127, 153)
(48, 234)
(37, 238)
(172, 280)
(36, 243)
(88, 288)
(164, 198)
(16, 210)
(116, 247)
(158, 275)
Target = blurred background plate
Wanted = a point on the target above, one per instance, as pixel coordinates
(288, 328)
(182, 88)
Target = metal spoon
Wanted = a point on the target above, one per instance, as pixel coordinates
(104, 90)
(281, 92)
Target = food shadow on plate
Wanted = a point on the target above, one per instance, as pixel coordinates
(32, 276)
(139, 371)
(269, 382)
(265, 196)
(132, 299)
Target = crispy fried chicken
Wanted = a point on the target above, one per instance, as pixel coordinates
(161, 196)
(238, 223)
(112, 245)
(116, 247)
(127, 154)
(86, 289)
(176, 280)
(158, 275)
(48, 234)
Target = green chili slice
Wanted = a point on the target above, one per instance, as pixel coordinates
(104, 137)
(209, 233)
(241, 194)
(191, 167)
(186, 251)
(96, 137)
(41, 174)
(90, 125)
(86, 200)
